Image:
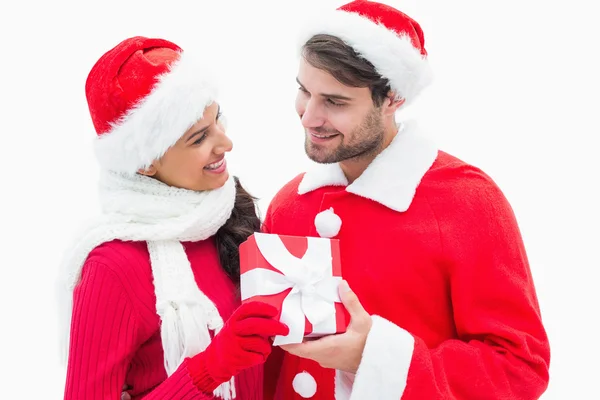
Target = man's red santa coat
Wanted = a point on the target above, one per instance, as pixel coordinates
(433, 251)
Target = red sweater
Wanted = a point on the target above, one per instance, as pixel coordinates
(447, 280)
(115, 334)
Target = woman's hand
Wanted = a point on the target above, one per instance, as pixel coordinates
(244, 341)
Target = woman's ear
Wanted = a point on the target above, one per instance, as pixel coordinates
(150, 170)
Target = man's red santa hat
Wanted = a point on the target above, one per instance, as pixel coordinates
(389, 39)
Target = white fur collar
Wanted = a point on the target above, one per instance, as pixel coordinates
(391, 179)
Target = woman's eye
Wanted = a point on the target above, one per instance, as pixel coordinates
(200, 139)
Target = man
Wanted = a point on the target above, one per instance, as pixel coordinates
(442, 304)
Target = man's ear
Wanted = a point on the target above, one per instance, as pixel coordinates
(150, 170)
(392, 103)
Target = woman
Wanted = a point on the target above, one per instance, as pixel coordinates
(150, 284)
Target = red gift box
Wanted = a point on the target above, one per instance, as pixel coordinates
(298, 275)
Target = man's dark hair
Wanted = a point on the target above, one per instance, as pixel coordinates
(329, 53)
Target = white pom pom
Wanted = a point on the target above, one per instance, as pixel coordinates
(305, 385)
(328, 224)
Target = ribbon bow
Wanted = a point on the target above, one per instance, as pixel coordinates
(314, 288)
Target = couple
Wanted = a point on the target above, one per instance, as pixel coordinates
(438, 286)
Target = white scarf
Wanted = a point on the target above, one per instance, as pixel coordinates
(139, 208)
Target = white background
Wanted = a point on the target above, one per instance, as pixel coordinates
(516, 93)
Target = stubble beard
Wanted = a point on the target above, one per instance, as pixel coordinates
(367, 140)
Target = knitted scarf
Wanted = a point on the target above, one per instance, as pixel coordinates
(139, 208)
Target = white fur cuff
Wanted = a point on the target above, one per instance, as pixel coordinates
(386, 359)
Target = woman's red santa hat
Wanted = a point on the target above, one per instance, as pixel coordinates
(389, 39)
(143, 95)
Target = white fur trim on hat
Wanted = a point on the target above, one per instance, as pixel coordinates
(393, 56)
(305, 385)
(155, 124)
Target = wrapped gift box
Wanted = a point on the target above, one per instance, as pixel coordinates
(298, 275)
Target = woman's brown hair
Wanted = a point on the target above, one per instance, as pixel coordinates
(242, 223)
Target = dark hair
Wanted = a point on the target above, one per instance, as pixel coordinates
(242, 223)
(330, 54)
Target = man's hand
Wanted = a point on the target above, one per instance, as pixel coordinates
(342, 351)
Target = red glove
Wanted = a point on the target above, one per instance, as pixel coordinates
(243, 342)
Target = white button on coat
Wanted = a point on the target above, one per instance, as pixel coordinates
(305, 385)
(328, 223)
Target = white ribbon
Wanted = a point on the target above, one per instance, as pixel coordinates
(314, 288)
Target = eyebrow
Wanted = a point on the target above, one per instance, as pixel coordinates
(201, 131)
(329, 95)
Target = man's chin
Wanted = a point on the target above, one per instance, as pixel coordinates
(319, 155)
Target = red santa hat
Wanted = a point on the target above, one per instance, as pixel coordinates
(143, 95)
(389, 39)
